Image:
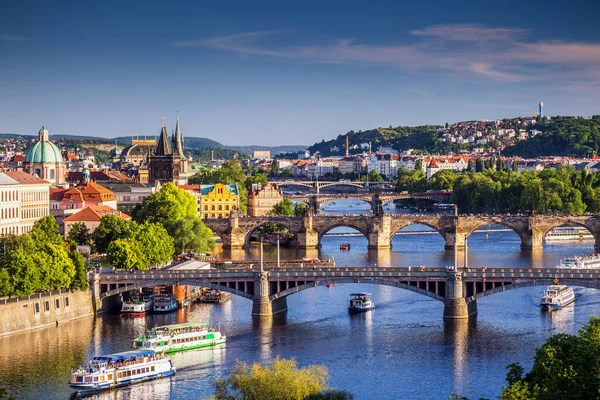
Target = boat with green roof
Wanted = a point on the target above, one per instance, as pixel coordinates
(179, 337)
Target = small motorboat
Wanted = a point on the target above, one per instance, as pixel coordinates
(330, 285)
(344, 246)
(360, 302)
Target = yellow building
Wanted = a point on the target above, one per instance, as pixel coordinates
(217, 201)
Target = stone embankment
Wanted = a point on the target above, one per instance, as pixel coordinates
(43, 309)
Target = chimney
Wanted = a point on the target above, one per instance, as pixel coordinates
(347, 152)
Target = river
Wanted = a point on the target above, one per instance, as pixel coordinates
(401, 350)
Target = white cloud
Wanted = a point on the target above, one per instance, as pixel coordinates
(12, 38)
(467, 51)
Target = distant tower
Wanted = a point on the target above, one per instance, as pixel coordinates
(347, 150)
(541, 113)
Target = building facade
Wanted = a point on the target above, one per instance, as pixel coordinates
(217, 201)
(262, 198)
(45, 160)
(24, 199)
(90, 216)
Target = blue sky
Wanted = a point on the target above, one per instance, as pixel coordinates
(290, 72)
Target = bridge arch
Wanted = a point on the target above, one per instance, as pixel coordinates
(568, 221)
(359, 185)
(191, 282)
(324, 282)
(342, 224)
(483, 222)
(291, 226)
(416, 221)
(531, 283)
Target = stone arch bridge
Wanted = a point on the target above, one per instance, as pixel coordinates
(375, 200)
(268, 289)
(380, 229)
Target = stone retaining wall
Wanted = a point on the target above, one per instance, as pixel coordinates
(42, 310)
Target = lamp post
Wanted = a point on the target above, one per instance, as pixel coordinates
(262, 267)
(278, 260)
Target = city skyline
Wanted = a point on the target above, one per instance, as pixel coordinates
(273, 74)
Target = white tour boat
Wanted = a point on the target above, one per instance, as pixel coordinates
(139, 303)
(179, 337)
(568, 233)
(581, 262)
(121, 369)
(165, 303)
(557, 296)
(360, 302)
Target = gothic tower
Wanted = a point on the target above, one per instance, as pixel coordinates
(168, 164)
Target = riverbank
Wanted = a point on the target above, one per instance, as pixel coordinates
(43, 309)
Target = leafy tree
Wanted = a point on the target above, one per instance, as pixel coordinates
(254, 179)
(282, 380)
(565, 367)
(191, 234)
(469, 166)
(284, 207)
(479, 166)
(374, 176)
(79, 280)
(24, 273)
(45, 230)
(442, 180)
(158, 247)
(110, 229)
(79, 234)
(59, 270)
(274, 168)
(300, 210)
(125, 254)
(169, 204)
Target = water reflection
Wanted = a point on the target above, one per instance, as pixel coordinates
(456, 335)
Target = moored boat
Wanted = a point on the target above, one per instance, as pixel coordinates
(360, 302)
(563, 233)
(557, 296)
(591, 261)
(344, 246)
(179, 337)
(121, 369)
(164, 303)
(139, 303)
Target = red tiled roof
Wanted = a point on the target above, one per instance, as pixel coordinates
(24, 178)
(95, 213)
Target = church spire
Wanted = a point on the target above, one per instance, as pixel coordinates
(163, 148)
(178, 140)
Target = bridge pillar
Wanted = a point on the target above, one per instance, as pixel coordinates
(307, 239)
(454, 240)
(380, 235)
(455, 303)
(94, 284)
(316, 206)
(262, 306)
(531, 239)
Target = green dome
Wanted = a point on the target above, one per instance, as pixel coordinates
(44, 152)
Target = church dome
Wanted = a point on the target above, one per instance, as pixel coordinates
(44, 151)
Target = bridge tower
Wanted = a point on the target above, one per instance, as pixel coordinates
(380, 232)
(307, 238)
(455, 303)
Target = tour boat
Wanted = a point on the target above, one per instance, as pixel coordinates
(139, 303)
(179, 337)
(360, 302)
(581, 262)
(164, 303)
(557, 296)
(121, 369)
(213, 296)
(568, 233)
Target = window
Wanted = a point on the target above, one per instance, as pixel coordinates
(227, 207)
(213, 207)
(67, 301)
(47, 305)
(220, 207)
(37, 308)
(205, 208)
(57, 302)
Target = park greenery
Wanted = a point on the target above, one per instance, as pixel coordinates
(566, 367)
(281, 380)
(498, 188)
(39, 260)
(286, 207)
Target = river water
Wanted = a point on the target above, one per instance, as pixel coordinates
(401, 350)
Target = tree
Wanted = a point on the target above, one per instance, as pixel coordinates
(125, 254)
(282, 380)
(469, 166)
(274, 168)
(565, 367)
(59, 270)
(254, 179)
(24, 273)
(300, 210)
(284, 207)
(374, 176)
(45, 230)
(169, 204)
(79, 234)
(158, 247)
(479, 167)
(79, 281)
(110, 229)
(191, 234)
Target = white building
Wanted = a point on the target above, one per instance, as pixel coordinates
(24, 199)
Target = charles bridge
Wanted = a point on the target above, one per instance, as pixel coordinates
(268, 288)
(379, 229)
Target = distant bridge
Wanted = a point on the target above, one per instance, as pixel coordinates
(380, 229)
(316, 186)
(268, 289)
(375, 200)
